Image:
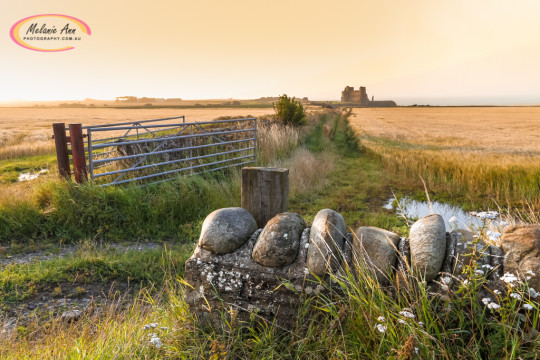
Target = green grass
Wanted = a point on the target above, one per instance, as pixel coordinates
(340, 326)
(67, 212)
(90, 265)
(476, 179)
(358, 186)
(10, 168)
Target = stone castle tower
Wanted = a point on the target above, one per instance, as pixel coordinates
(360, 97)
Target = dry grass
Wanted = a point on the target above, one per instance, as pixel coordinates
(41, 119)
(504, 130)
(27, 131)
(307, 171)
(489, 152)
(112, 332)
(21, 144)
(275, 141)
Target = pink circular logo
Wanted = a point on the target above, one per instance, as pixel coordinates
(49, 32)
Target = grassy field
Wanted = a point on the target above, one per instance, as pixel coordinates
(476, 156)
(361, 320)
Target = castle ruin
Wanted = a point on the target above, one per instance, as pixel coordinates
(360, 97)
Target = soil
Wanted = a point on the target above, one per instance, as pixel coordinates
(52, 301)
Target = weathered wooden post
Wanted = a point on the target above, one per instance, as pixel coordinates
(62, 156)
(77, 152)
(265, 192)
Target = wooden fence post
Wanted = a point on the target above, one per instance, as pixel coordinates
(265, 192)
(62, 156)
(77, 152)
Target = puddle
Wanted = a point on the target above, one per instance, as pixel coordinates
(414, 209)
(28, 176)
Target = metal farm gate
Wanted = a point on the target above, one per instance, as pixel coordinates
(153, 151)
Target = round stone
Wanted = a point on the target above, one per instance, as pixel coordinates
(428, 246)
(225, 230)
(279, 241)
(326, 240)
(377, 248)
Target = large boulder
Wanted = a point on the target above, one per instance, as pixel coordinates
(428, 246)
(279, 241)
(378, 249)
(225, 230)
(326, 239)
(521, 246)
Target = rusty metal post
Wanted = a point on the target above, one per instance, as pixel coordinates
(77, 152)
(62, 156)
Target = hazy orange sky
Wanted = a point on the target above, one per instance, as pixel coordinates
(418, 51)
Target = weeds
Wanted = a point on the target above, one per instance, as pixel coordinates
(359, 319)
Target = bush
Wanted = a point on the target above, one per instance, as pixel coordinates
(289, 111)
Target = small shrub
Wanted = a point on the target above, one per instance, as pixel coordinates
(289, 111)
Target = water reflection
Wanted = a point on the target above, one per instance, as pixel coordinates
(414, 209)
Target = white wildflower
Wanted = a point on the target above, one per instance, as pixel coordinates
(163, 328)
(478, 272)
(528, 278)
(381, 319)
(509, 279)
(485, 215)
(382, 328)
(493, 306)
(515, 296)
(527, 306)
(486, 300)
(146, 327)
(487, 266)
(529, 272)
(533, 293)
(407, 314)
(421, 324)
(401, 321)
(446, 280)
(416, 350)
(497, 292)
(465, 282)
(156, 342)
(153, 325)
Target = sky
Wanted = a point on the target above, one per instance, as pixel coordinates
(417, 51)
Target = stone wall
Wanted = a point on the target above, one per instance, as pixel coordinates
(240, 272)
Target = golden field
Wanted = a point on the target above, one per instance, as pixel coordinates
(27, 131)
(497, 130)
(487, 152)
